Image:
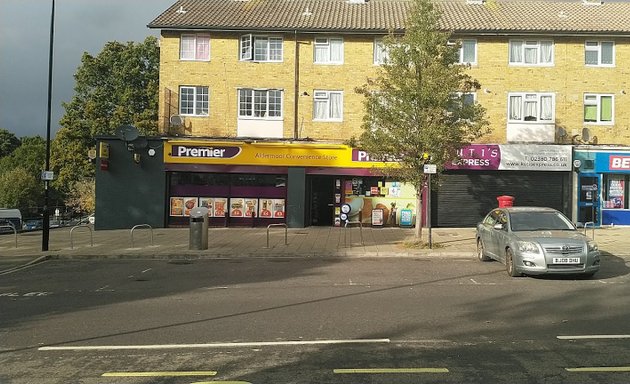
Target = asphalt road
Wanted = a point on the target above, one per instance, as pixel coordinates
(311, 321)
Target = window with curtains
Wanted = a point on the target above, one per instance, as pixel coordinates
(194, 47)
(380, 52)
(467, 51)
(531, 52)
(261, 48)
(599, 53)
(193, 101)
(328, 50)
(598, 109)
(328, 105)
(263, 104)
(531, 107)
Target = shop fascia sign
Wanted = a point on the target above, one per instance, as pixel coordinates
(617, 162)
(513, 157)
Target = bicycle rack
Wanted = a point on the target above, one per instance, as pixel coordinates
(141, 226)
(285, 233)
(11, 226)
(346, 229)
(82, 226)
(592, 224)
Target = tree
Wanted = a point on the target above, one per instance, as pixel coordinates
(415, 109)
(8, 142)
(82, 197)
(118, 86)
(20, 185)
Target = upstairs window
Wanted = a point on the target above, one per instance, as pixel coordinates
(328, 105)
(598, 109)
(193, 101)
(329, 50)
(467, 51)
(381, 55)
(531, 107)
(194, 47)
(264, 104)
(531, 52)
(261, 48)
(599, 53)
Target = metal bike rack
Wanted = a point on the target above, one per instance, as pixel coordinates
(285, 232)
(592, 224)
(11, 226)
(141, 226)
(346, 229)
(82, 226)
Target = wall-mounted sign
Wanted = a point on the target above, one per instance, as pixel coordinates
(515, 157)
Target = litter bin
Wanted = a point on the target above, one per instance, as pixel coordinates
(198, 228)
(505, 201)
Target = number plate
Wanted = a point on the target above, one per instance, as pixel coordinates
(566, 260)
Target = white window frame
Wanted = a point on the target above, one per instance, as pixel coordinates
(327, 43)
(528, 98)
(461, 50)
(598, 48)
(381, 53)
(252, 112)
(322, 96)
(530, 44)
(184, 54)
(199, 102)
(598, 103)
(248, 45)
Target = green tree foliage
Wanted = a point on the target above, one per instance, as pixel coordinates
(8, 142)
(20, 185)
(415, 105)
(118, 86)
(82, 197)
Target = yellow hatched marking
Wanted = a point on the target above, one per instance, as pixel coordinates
(159, 374)
(391, 370)
(599, 369)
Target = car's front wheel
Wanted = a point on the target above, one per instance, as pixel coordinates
(509, 263)
(481, 252)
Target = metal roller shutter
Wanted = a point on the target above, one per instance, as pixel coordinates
(463, 199)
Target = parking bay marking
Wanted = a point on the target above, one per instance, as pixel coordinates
(388, 370)
(159, 374)
(599, 369)
(587, 337)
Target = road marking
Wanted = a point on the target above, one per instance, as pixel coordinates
(599, 369)
(222, 382)
(212, 345)
(390, 370)
(159, 374)
(146, 270)
(584, 337)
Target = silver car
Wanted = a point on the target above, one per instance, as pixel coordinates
(534, 241)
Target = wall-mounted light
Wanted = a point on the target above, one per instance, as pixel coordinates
(305, 93)
(151, 152)
(486, 90)
(623, 91)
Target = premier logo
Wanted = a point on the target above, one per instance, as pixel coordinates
(203, 152)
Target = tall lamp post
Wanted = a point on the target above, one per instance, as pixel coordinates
(46, 175)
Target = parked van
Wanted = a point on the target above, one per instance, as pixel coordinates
(13, 216)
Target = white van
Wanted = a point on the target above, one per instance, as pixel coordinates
(13, 216)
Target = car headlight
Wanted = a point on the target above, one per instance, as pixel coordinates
(592, 246)
(528, 247)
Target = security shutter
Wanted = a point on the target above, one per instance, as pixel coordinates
(464, 198)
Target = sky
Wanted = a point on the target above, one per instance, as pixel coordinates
(80, 26)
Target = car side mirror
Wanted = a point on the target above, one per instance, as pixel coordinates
(579, 225)
(498, 226)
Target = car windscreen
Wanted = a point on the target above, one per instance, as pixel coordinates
(539, 221)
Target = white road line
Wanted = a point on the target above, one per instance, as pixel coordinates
(146, 270)
(585, 337)
(212, 345)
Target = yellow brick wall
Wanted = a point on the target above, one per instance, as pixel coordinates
(569, 79)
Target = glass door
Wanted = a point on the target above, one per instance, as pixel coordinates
(588, 199)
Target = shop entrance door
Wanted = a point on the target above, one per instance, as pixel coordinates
(588, 200)
(321, 190)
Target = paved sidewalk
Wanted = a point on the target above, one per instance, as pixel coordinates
(252, 242)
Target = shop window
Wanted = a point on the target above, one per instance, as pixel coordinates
(615, 192)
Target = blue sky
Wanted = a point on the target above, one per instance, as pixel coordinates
(80, 26)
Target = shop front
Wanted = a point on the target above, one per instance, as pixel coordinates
(535, 175)
(602, 176)
(246, 183)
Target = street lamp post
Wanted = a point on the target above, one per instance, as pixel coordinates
(46, 223)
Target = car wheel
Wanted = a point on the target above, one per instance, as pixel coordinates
(509, 263)
(481, 253)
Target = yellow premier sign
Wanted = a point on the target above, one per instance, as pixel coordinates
(267, 154)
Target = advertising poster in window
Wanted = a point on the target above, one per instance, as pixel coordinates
(219, 206)
(177, 206)
(207, 202)
(237, 207)
(615, 194)
(189, 204)
(278, 208)
(266, 205)
(251, 207)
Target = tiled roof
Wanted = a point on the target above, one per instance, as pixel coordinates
(495, 16)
